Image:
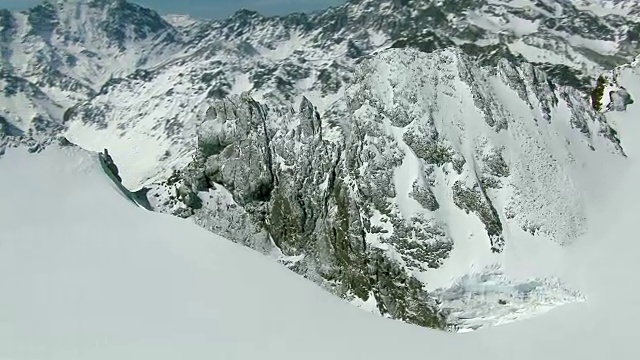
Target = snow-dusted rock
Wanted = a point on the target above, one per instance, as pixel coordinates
(363, 198)
(423, 126)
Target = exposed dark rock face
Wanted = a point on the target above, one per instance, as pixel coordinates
(109, 165)
(328, 192)
(476, 200)
(619, 99)
(298, 186)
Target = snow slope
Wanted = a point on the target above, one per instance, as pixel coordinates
(86, 274)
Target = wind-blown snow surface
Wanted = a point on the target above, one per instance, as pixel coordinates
(86, 274)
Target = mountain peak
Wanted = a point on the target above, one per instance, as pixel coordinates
(119, 20)
(244, 12)
(180, 20)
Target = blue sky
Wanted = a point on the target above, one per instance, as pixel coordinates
(210, 8)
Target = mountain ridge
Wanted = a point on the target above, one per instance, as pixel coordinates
(394, 171)
(414, 117)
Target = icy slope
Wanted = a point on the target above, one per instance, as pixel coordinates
(100, 278)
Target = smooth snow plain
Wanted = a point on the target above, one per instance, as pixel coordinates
(87, 274)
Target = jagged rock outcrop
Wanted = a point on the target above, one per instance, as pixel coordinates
(294, 184)
(608, 95)
(360, 200)
(109, 165)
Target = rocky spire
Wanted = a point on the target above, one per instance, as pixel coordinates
(309, 118)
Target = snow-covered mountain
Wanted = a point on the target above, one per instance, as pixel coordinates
(630, 8)
(58, 54)
(425, 152)
(101, 278)
(153, 78)
(401, 154)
